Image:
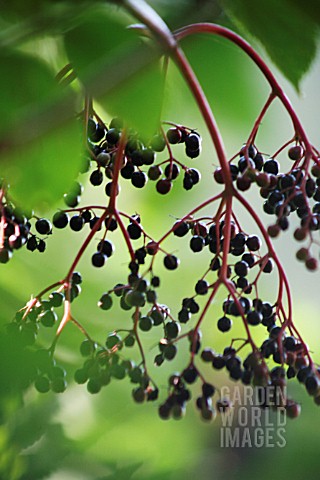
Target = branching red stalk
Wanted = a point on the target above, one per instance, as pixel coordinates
(246, 47)
(111, 209)
(224, 212)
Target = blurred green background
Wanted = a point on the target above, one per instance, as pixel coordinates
(78, 436)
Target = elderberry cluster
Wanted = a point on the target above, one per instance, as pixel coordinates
(16, 228)
(236, 266)
(297, 190)
(138, 294)
(103, 363)
(138, 161)
(42, 312)
(211, 236)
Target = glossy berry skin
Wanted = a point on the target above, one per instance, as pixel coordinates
(71, 200)
(192, 153)
(76, 223)
(105, 302)
(193, 145)
(139, 179)
(194, 175)
(48, 318)
(170, 352)
(190, 374)
(96, 178)
(184, 315)
(86, 215)
(208, 390)
(103, 159)
(98, 133)
(172, 330)
(98, 259)
(248, 258)
(43, 226)
(268, 266)
(254, 317)
(201, 287)
(253, 243)
(172, 171)
(245, 163)
(224, 324)
(148, 156)
(60, 219)
(164, 186)
(87, 348)
(197, 243)
(187, 181)
(42, 384)
(271, 166)
(135, 298)
(293, 409)
(134, 231)
(180, 229)
(174, 135)
(93, 221)
(109, 187)
(127, 171)
(218, 362)
(113, 136)
(154, 172)
(111, 224)
(171, 262)
(106, 247)
(31, 245)
(145, 323)
(56, 299)
(192, 141)
(241, 269)
(76, 278)
(295, 153)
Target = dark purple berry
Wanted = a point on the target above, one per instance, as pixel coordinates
(98, 259)
(224, 324)
(171, 262)
(43, 226)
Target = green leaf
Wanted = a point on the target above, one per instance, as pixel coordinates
(285, 29)
(118, 69)
(31, 422)
(125, 473)
(38, 8)
(39, 139)
(49, 454)
(311, 8)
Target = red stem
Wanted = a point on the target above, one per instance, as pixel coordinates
(111, 209)
(179, 58)
(192, 212)
(125, 235)
(246, 47)
(259, 119)
(271, 250)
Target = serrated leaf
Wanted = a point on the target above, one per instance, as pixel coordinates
(284, 28)
(117, 69)
(39, 139)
